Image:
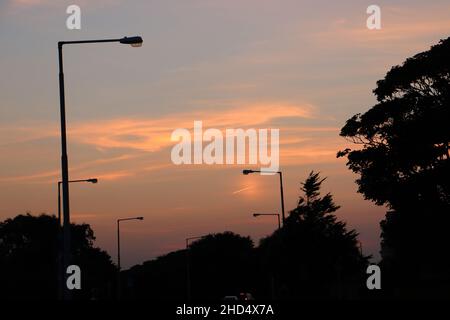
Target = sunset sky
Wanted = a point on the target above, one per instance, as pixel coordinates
(304, 67)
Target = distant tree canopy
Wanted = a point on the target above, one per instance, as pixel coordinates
(28, 259)
(163, 278)
(403, 153)
(220, 264)
(314, 255)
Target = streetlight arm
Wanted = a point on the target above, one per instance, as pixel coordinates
(246, 172)
(124, 40)
(126, 219)
(269, 214)
(192, 238)
(81, 180)
(61, 43)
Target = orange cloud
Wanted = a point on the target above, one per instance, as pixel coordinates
(135, 146)
(154, 134)
(34, 177)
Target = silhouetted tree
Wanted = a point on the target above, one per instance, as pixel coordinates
(313, 255)
(28, 259)
(403, 162)
(404, 139)
(220, 264)
(163, 278)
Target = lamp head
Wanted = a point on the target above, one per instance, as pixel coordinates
(246, 172)
(93, 180)
(140, 218)
(133, 41)
(256, 215)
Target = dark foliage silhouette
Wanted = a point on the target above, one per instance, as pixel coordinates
(404, 139)
(403, 162)
(163, 278)
(28, 259)
(313, 255)
(220, 264)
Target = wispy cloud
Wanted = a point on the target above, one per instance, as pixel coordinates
(132, 146)
(154, 134)
(402, 27)
(241, 190)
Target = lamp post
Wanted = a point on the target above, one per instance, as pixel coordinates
(247, 172)
(118, 250)
(60, 263)
(92, 180)
(133, 41)
(272, 278)
(188, 268)
(269, 214)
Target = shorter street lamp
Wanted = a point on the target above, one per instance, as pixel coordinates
(188, 269)
(118, 250)
(269, 214)
(280, 174)
(272, 278)
(92, 180)
(60, 262)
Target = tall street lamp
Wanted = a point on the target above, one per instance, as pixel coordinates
(188, 268)
(247, 172)
(133, 41)
(118, 250)
(60, 263)
(269, 214)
